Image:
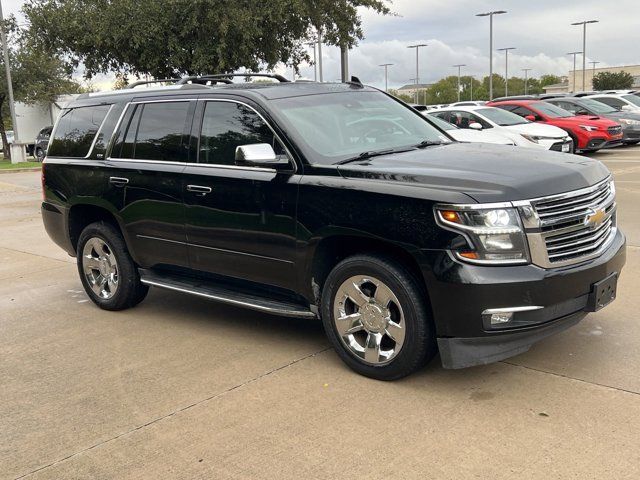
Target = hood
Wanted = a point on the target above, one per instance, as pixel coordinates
(617, 116)
(538, 130)
(484, 136)
(487, 173)
(587, 120)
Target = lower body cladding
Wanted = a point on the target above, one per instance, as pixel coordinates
(631, 135)
(484, 314)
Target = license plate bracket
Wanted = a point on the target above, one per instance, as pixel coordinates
(566, 147)
(602, 293)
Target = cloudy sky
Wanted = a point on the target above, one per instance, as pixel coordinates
(539, 30)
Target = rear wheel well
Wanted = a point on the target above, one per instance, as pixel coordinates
(331, 251)
(82, 215)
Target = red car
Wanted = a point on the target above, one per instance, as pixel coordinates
(589, 133)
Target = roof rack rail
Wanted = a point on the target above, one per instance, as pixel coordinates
(146, 82)
(203, 79)
(226, 76)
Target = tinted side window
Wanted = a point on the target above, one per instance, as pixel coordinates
(570, 107)
(155, 131)
(227, 125)
(76, 129)
(523, 112)
(612, 102)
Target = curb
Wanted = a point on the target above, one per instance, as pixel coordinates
(18, 170)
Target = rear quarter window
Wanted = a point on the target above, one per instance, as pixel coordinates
(75, 131)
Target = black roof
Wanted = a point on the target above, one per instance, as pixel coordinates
(258, 90)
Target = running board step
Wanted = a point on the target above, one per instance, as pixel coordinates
(224, 295)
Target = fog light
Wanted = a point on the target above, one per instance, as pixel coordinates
(500, 318)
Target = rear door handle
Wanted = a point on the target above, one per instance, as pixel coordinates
(199, 189)
(118, 181)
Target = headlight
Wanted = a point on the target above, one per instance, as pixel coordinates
(494, 235)
(589, 128)
(628, 121)
(530, 138)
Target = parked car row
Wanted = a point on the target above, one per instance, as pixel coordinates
(584, 122)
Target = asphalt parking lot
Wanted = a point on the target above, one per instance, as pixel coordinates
(184, 388)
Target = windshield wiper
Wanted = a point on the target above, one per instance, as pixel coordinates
(428, 143)
(370, 154)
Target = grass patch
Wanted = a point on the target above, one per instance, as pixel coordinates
(7, 165)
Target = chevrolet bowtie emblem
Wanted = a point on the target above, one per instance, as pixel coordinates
(594, 218)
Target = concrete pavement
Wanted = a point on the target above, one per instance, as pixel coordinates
(184, 388)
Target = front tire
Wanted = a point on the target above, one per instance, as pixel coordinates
(376, 317)
(39, 155)
(106, 269)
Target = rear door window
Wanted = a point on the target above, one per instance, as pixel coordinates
(155, 131)
(76, 130)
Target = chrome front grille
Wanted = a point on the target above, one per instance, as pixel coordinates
(615, 130)
(571, 227)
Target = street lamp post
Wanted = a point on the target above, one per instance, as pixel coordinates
(459, 66)
(320, 55)
(584, 48)
(386, 65)
(506, 68)
(417, 47)
(573, 90)
(315, 61)
(490, 15)
(16, 149)
(526, 80)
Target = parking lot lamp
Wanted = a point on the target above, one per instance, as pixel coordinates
(15, 152)
(386, 65)
(417, 47)
(526, 80)
(506, 68)
(459, 66)
(573, 90)
(490, 15)
(584, 48)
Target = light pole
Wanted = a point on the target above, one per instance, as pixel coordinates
(490, 15)
(417, 47)
(573, 90)
(526, 80)
(459, 66)
(386, 65)
(506, 68)
(593, 74)
(17, 154)
(320, 55)
(584, 48)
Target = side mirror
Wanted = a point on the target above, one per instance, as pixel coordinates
(475, 126)
(582, 112)
(531, 118)
(626, 108)
(260, 155)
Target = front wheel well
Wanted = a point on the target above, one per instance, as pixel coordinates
(82, 215)
(332, 250)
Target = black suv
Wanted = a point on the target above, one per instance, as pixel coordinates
(42, 141)
(334, 201)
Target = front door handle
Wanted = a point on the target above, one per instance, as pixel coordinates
(199, 189)
(118, 181)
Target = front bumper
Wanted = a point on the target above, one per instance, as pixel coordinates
(459, 293)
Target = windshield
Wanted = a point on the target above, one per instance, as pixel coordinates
(441, 123)
(633, 99)
(552, 111)
(501, 117)
(595, 106)
(334, 127)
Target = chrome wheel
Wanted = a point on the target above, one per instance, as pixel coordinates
(100, 268)
(369, 319)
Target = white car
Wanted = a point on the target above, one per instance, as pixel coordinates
(468, 135)
(622, 102)
(521, 131)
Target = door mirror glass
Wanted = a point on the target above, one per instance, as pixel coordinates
(531, 118)
(475, 126)
(260, 155)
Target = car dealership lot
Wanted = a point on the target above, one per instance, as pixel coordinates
(184, 388)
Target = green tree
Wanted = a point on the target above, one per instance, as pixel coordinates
(546, 80)
(443, 91)
(37, 76)
(167, 38)
(612, 81)
(404, 97)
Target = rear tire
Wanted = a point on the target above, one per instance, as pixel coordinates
(385, 334)
(106, 269)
